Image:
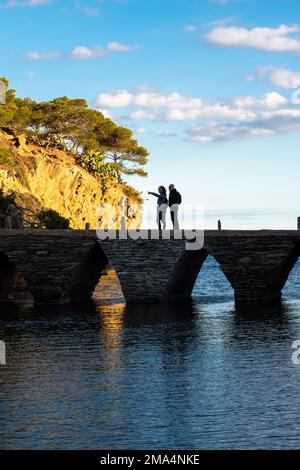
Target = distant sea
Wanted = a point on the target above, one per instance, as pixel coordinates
(194, 215)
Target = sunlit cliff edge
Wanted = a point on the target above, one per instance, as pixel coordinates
(51, 179)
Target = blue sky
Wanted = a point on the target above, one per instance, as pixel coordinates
(207, 86)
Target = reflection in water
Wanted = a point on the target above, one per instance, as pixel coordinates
(184, 375)
(111, 319)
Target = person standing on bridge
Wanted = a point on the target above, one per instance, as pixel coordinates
(174, 202)
(162, 204)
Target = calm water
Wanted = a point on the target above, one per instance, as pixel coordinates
(183, 376)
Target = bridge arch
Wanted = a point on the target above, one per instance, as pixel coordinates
(187, 270)
(108, 289)
(257, 268)
(292, 275)
(279, 276)
(13, 286)
(212, 284)
(87, 274)
(58, 266)
(183, 277)
(256, 271)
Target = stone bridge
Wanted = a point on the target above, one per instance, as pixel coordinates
(60, 266)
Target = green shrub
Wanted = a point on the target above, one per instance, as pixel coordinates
(94, 162)
(51, 219)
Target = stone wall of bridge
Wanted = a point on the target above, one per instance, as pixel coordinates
(65, 266)
(256, 263)
(57, 266)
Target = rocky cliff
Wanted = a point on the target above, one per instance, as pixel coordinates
(51, 179)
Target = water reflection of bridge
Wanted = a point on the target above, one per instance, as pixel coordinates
(54, 266)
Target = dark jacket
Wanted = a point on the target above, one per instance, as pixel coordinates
(161, 198)
(174, 197)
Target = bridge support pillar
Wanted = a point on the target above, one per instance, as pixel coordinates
(145, 268)
(185, 273)
(258, 268)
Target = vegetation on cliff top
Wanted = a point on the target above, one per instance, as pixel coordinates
(99, 145)
(51, 219)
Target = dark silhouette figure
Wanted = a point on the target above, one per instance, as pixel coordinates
(162, 204)
(174, 202)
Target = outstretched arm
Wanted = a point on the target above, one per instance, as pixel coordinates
(153, 194)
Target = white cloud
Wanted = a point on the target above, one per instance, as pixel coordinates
(213, 132)
(209, 111)
(96, 52)
(285, 78)
(141, 115)
(36, 56)
(124, 98)
(238, 118)
(282, 113)
(269, 100)
(281, 39)
(266, 124)
(82, 52)
(281, 77)
(189, 29)
(118, 47)
(118, 99)
(176, 107)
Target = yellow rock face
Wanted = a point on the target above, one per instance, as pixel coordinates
(51, 179)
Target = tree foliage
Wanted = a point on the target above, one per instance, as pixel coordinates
(99, 145)
(51, 219)
(94, 162)
(126, 155)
